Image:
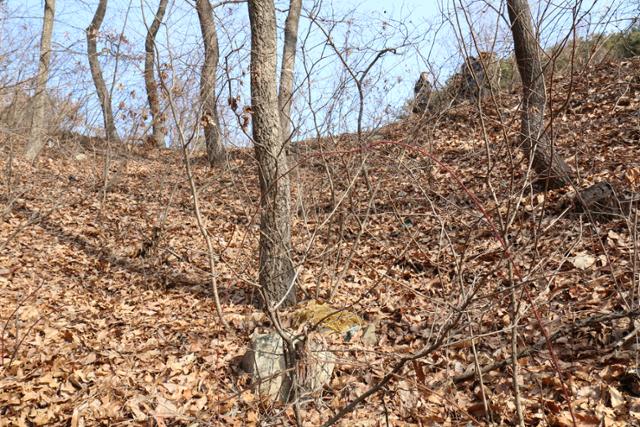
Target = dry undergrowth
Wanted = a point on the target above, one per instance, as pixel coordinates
(107, 316)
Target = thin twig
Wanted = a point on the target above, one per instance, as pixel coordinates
(541, 343)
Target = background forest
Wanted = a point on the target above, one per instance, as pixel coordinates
(319, 213)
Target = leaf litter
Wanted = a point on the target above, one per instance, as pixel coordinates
(106, 320)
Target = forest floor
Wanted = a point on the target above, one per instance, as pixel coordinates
(106, 308)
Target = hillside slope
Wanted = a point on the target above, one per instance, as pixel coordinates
(108, 317)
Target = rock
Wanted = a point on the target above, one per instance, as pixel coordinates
(265, 359)
(80, 157)
(332, 320)
(266, 363)
(319, 362)
(369, 336)
(422, 94)
(327, 318)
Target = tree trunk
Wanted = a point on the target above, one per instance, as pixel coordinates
(96, 73)
(552, 170)
(149, 75)
(600, 199)
(286, 72)
(276, 267)
(213, 138)
(36, 140)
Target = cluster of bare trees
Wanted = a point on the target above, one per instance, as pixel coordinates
(272, 122)
(273, 125)
(215, 146)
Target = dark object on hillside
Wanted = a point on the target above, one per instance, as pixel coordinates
(598, 199)
(480, 75)
(476, 77)
(630, 382)
(422, 94)
(603, 203)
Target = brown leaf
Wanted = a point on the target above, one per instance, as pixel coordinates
(615, 397)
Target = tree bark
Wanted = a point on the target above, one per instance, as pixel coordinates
(213, 138)
(96, 72)
(286, 72)
(36, 140)
(599, 200)
(552, 170)
(276, 275)
(151, 85)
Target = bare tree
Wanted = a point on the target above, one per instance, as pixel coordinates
(37, 122)
(149, 75)
(276, 267)
(96, 73)
(286, 72)
(210, 121)
(552, 169)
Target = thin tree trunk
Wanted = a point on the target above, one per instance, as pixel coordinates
(149, 75)
(286, 72)
(213, 138)
(551, 168)
(276, 267)
(599, 199)
(96, 72)
(36, 140)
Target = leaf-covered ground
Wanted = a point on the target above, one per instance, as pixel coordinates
(107, 315)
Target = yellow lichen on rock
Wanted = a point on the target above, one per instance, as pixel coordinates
(340, 321)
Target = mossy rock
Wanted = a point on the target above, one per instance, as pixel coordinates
(342, 322)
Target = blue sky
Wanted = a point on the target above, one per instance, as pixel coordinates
(428, 26)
